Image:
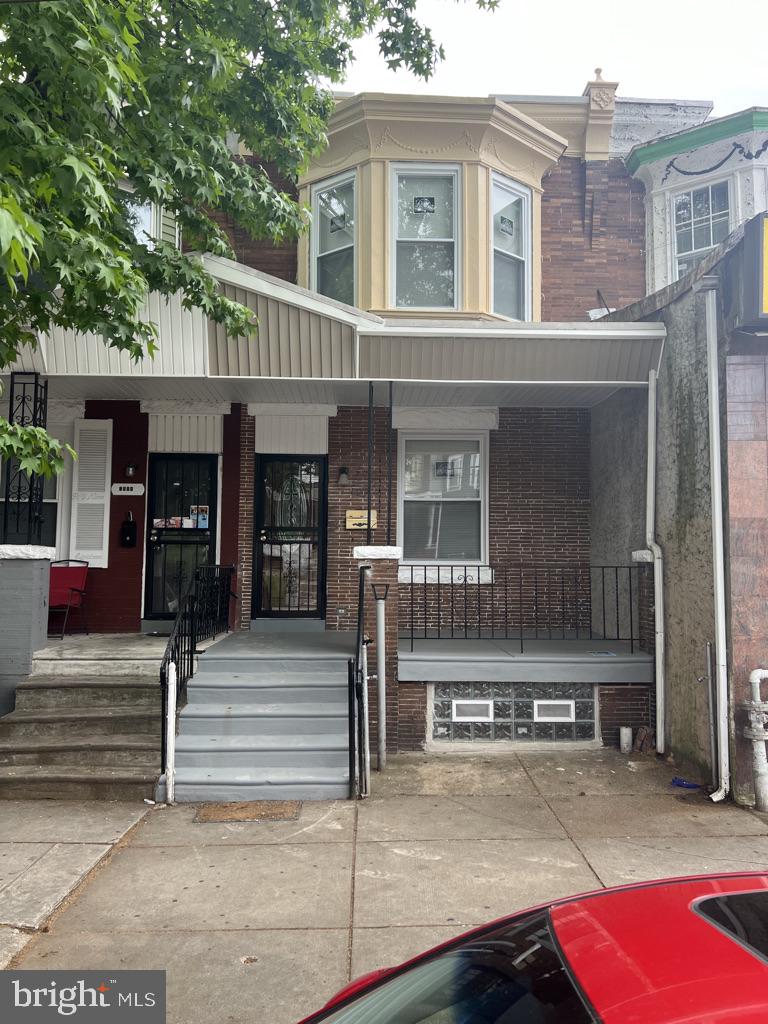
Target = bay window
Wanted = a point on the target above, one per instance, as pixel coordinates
(511, 249)
(333, 239)
(443, 497)
(425, 204)
(701, 222)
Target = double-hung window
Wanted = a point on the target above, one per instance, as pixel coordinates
(511, 235)
(702, 218)
(425, 244)
(333, 235)
(443, 497)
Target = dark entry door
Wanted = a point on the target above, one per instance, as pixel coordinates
(181, 528)
(289, 541)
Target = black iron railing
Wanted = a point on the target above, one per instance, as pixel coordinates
(358, 712)
(203, 614)
(22, 520)
(522, 603)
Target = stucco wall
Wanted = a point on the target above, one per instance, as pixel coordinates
(617, 471)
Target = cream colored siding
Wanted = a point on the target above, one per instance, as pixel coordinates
(291, 435)
(185, 433)
(168, 231)
(181, 346)
(290, 342)
(511, 359)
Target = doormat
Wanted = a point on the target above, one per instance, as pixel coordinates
(250, 810)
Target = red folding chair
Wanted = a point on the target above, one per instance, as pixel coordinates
(67, 590)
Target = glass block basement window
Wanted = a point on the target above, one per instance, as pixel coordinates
(515, 710)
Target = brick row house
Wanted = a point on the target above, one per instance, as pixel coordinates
(425, 394)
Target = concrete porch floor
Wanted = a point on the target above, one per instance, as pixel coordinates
(264, 921)
(103, 653)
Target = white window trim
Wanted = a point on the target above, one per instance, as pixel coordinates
(442, 435)
(679, 189)
(456, 717)
(554, 718)
(523, 193)
(314, 234)
(436, 170)
(155, 225)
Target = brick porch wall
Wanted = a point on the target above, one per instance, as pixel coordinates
(592, 236)
(624, 705)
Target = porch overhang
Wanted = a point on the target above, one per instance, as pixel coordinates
(310, 349)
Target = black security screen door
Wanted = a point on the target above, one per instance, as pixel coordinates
(289, 543)
(181, 528)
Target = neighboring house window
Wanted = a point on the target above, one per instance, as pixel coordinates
(443, 497)
(425, 237)
(18, 513)
(333, 235)
(701, 222)
(511, 249)
(144, 220)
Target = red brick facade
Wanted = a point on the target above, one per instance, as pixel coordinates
(623, 705)
(592, 236)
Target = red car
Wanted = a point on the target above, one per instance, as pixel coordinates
(691, 950)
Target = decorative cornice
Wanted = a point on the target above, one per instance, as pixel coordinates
(754, 119)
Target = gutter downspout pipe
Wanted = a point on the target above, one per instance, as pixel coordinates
(709, 286)
(658, 566)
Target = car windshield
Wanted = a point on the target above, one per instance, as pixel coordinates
(509, 975)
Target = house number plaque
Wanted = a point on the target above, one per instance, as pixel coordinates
(357, 519)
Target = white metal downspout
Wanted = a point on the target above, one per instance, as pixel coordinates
(718, 567)
(658, 566)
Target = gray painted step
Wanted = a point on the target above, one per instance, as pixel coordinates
(75, 783)
(262, 719)
(223, 692)
(250, 663)
(320, 751)
(71, 722)
(261, 784)
(52, 692)
(134, 751)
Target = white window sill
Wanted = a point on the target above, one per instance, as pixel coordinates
(458, 575)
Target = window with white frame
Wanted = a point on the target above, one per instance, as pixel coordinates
(333, 239)
(425, 244)
(443, 497)
(511, 236)
(702, 218)
(18, 512)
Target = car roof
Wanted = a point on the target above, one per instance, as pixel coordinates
(643, 953)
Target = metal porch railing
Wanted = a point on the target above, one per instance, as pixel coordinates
(202, 615)
(521, 603)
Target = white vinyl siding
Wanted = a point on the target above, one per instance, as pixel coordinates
(443, 498)
(425, 204)
(333, 239)
(183, 432)
(92, 478)
(511, 249)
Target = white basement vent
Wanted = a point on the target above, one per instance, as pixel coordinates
(472, 711)
(554, 710)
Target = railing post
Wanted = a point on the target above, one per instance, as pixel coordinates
(352, 703)
(170, 733)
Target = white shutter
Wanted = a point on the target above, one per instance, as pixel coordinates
(92, 478)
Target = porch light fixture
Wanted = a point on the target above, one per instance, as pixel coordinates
(380, 591)
(343, 476)
(130, 470)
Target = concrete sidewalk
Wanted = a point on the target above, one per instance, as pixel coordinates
(264, 921)
(47, 848)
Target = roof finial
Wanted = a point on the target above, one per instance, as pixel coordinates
(598, 75)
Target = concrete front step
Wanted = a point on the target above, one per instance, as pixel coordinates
(193, 784)
(64, 782)
(320, 751)
(98, 691)
(102, 666)
(301, 662)
(263, 719)
(129, 751)
(80, 722)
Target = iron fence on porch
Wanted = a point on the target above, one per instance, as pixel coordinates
(202, 615)
(522, 603)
